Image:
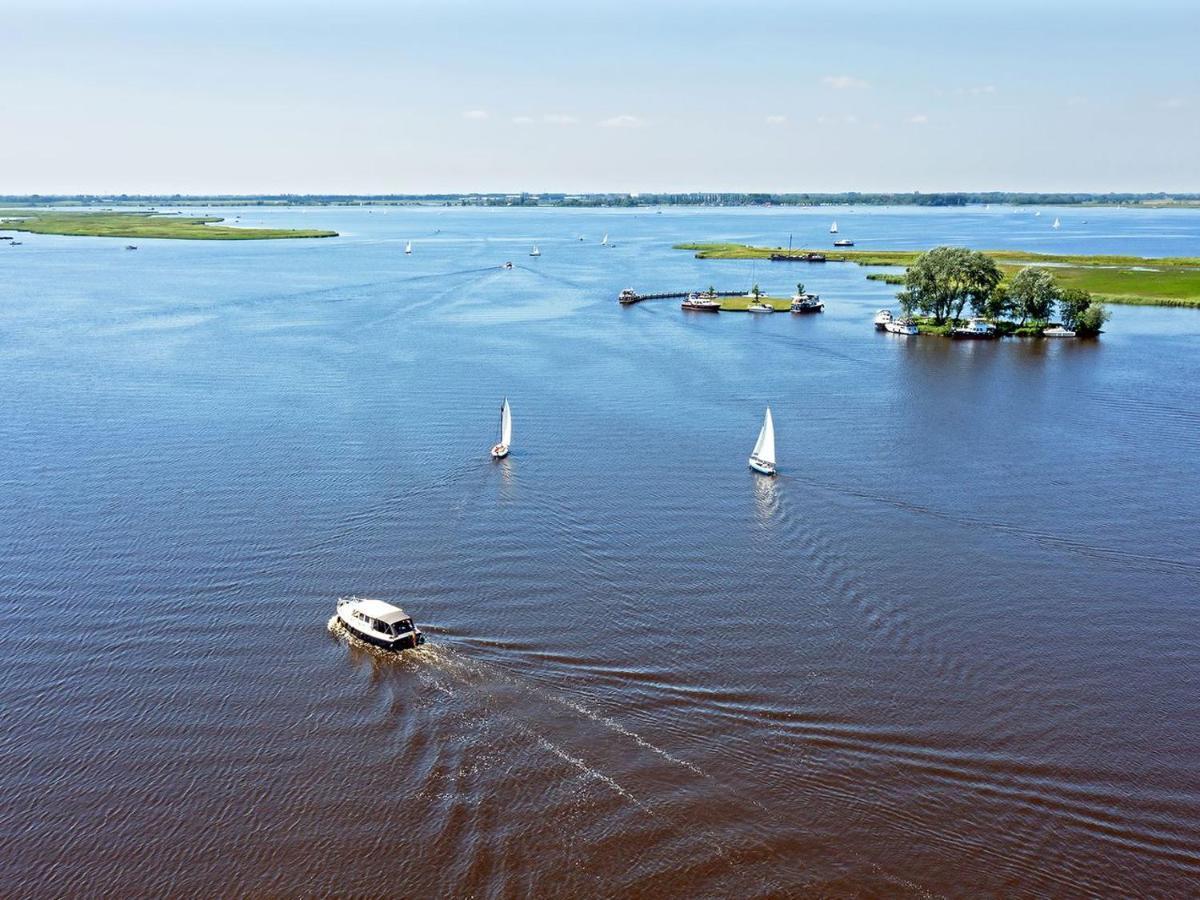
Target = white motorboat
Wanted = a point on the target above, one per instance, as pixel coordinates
(379, 623)
(701, 303)
(535, 251)
(979, 329)
(807, 303)
(501, 449)
(762, 457)
(408, 249)
(1058, 331)
(760, 308)
(882, 319)
(902, 326)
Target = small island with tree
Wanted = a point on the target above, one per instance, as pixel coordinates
(943, 282)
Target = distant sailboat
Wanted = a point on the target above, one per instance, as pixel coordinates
(762, 459)
(408, 248)
(1056, 224)
(604, 243)
(833, 227)
(535, 251)
(501, 449)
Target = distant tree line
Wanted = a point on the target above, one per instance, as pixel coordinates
(695, 198)
(942, 282)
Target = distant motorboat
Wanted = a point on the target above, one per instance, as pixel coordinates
(535, 251)
(760, 307)
(131, 246)
(833, 227)
(844, 242)
(762, 457)
(507, 265)
(1058, 331)
(978, 329)
(807, 303)
(882, 319)
(500, 450)
(379, 623)
(408, 249)
(1056, 224)
(701, 303)
(902, 326)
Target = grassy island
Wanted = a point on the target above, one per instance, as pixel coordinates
(1153, 281)
(141, 224)
(739, 304)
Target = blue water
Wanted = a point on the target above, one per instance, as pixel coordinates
(952, 648)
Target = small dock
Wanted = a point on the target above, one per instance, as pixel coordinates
(630, 296)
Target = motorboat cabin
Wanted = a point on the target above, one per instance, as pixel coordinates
(807, 303)
(976, 328)
(882, 319)
(379, 623)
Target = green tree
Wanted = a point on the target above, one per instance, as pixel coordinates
(1071, 304)
(997, 305)
(941, 282)
(756, 292)
(799, 287)
(1091, 321)
(1033, 294)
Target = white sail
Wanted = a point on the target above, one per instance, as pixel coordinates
(408, 247)
(764, 447)
(833, 228)
(1056, 224)
(505, 424)
(605, 241)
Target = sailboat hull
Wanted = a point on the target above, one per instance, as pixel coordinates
(499, 451)
(761, 466)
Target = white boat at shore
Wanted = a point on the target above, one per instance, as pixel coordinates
(759, 307)
(976, 328)
(902, 326)
(807, 303)
(762, 457)
(378, 622)
(882, 318)
(1057, 331)
(500, 450)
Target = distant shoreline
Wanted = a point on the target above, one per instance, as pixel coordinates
(1130, 280)
(622, 200)
(142, 224)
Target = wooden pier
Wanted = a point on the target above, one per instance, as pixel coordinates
(630, 296)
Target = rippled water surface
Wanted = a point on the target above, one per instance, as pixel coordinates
(953, 648)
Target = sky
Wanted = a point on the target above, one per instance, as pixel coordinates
(352, 96)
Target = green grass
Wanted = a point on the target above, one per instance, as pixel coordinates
(140, 225)
(1154, 281)
(739, 304)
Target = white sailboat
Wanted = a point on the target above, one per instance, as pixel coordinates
(762, 458)
(604, 243)
(501, 449)
(535, 251)
(833, 227)
(408, 249)
(1057, 224)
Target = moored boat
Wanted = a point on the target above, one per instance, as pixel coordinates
(701, 303)
(500, 450)
(976, 329)
(378, 622)
(882, 318)
(1057, 331)
(760, 307)
(762, 457)
(807, 303)
(627, 296)
(902, 326)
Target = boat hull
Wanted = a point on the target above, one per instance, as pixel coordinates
(499, 451)
(761, 466)
(820, 307)
(409, 641)
(700, 307)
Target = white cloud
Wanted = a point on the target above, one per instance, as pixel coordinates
(918, 119)
(622, 121)
(522, 120)
(776, 120)
(476, 114)
(1173, 103)
(559, 119)
(843, 82)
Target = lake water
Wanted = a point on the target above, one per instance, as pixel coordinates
(952, 649)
